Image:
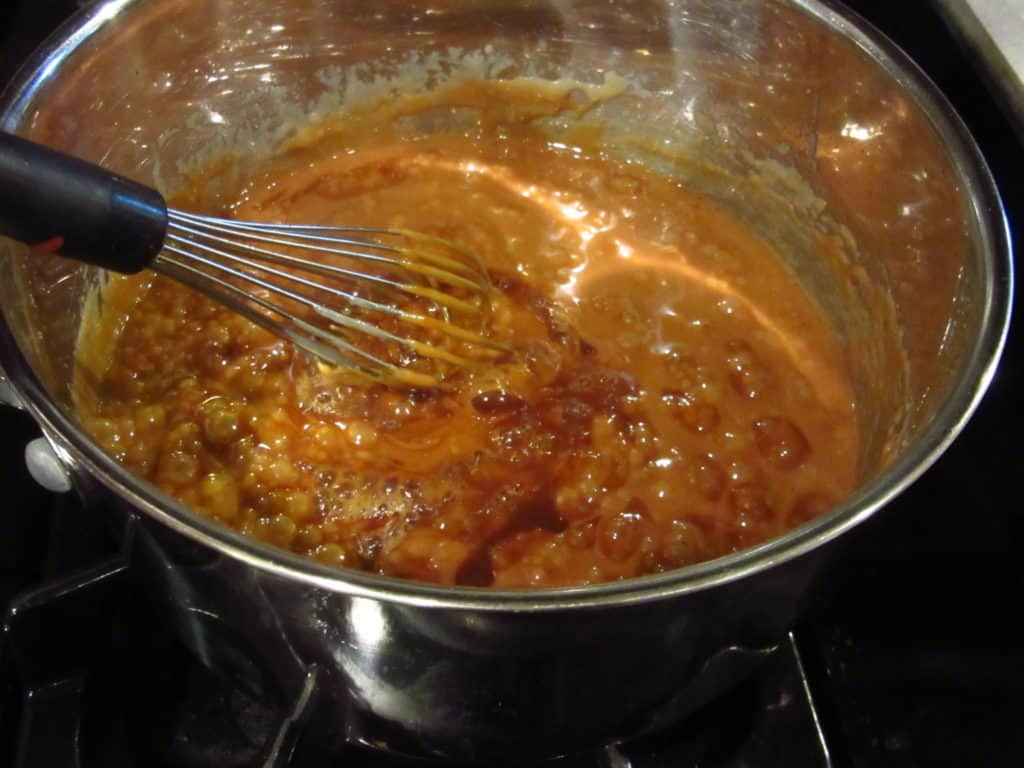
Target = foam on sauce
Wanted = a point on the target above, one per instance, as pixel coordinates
(673, 396)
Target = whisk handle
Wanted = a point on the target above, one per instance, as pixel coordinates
(77, 209)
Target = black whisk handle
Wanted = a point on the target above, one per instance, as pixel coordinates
(84, 212)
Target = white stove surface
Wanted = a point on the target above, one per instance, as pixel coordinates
(1004, 22)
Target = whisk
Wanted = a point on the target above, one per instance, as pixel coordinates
(397, 306)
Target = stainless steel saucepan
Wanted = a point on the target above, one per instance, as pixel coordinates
(807, 123)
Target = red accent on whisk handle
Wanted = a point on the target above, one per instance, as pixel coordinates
(98, 217)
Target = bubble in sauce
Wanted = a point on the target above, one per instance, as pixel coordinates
(582, 535)
(682, 544)
(749, 505)
(781, 442)
(620, 535)
(748, 376)
(707, 476)
(690, 411)
(496, 402)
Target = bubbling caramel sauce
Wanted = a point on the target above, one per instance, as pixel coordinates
(672, 396)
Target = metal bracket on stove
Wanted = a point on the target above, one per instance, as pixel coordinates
(281, 745)
(8, 395)
(724, 670)
(49, 634)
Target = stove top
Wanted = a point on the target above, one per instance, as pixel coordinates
(911, 660)
(92, 678)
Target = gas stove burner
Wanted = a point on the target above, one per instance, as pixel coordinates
(97, 678)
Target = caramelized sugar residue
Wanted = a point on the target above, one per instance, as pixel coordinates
(673, 394)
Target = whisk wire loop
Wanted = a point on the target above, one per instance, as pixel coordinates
(242, 264)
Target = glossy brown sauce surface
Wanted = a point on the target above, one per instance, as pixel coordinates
(673, 394)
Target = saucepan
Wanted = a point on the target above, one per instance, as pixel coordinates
(794, 113)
